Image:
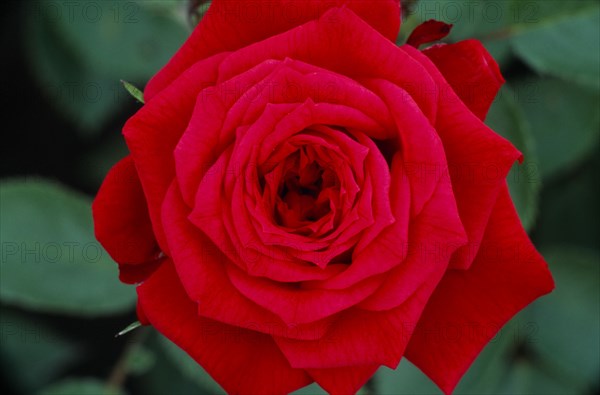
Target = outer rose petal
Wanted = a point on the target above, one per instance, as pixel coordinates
(298, 305)
(347, 344)
(153, 132)
(134, 274)
(427, 32)
(471, 71)
(223, 350)
(343, 381)
(232, 24)
(122, 223)
(140, 314)
(478, 158)
(508, 274)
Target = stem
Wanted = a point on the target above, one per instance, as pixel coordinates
(118, 374)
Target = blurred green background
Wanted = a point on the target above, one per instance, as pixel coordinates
(63, 108)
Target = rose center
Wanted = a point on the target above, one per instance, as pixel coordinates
(305, 191)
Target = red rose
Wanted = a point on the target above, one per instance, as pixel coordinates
(306, 201)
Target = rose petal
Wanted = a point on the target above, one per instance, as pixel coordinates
(277, 123)
(471, 72)
(121, 220)
(135, 274)
(338, 54)
(139, 311)
(478, 158)
(422, 150)
(201, 268)
(295, 304)
(427, 32)
(223, 109)
(390, 247)
(507, 274)
(436, 232)
(342, 381)
(380, 255)
(434, 236)
(207, 135)
(208, 212)
(382, 198)
(252, 234)
(230, 25)
(153, 132)
(223, 350)
(345, 343)
(268, 132)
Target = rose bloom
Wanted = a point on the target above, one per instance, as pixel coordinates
(305, 201)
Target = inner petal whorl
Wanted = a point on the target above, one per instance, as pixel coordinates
(307, 190)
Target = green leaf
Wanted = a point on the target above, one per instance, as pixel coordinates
(80, 50)
(565, 46)
(568, 317)
(565, 122)
(140, 359)
(526, 378)
(190, 368)
(133, 91)
(406, 379)
(121, 37)
(165, 375)
(50, 259)
(171, 6)
(86, 98)
(569, 209)
(31, 353)
(80, 386)
(506, 118)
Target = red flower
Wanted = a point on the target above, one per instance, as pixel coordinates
(306, 201)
